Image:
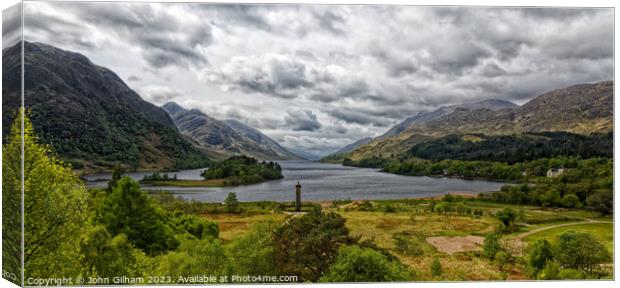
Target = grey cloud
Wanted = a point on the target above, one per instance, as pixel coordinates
(362, 67)
(302, 120)
(331, 21)
(159, 94)
(11, 26)
(360, 118)
(134, 78)
(288, 76)
(492, 70)
(164, 40)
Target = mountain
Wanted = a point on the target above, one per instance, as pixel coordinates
(305, 154)
(260, 139)
(582, 109)
(220, 140)
(422, 117)
(353, 146)
(89, 116)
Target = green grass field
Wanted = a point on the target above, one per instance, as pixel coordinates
(604, 232)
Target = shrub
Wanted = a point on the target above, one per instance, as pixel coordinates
(571, 201)
(357, 264)
(407, 244)
(540, 254)
(572, 274)
(580, 250)
(491, 246)
(307, 245)
(502, 258)
(231, 203)
(551, 271)
(436, 269)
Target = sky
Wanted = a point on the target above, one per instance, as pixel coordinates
(315, 77)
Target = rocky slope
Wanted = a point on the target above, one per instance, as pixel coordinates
(261, 139)
(426, 116)
(220, 140)
(353, 146)
(89, 116)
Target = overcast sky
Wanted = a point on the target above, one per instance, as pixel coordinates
(319, 77)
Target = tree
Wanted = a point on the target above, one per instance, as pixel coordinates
(407, 244)
(502, 258)
(253, 253)
(507, 217)
(551, 271)
(231, 203)
(491, 246)
(130, 211)
(436, 269)
(195, 257)
(540, 254)
(579, 250)
(307, 245)
(105, 256)
(54, 207)
(602, 202)
(117, 173)
(550, 198)
(198, 227)
(357, 264)
(571, 201)
(11, 202)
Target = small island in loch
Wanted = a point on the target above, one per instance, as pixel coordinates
(234, 171)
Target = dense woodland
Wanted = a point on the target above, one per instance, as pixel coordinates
(239, 170)
(587, 162)
(515, 148)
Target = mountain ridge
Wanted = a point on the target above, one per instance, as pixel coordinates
(581, 108)
(219, 140)
(89, 116)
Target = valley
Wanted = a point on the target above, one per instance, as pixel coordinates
(473, 191)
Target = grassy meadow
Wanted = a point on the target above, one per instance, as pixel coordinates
(383, 221)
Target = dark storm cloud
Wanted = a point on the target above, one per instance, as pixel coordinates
(164, 39)
(356, 117)
(289, 76)
(60, 30)
(302, 120)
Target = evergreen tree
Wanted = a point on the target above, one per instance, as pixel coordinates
(130, 211)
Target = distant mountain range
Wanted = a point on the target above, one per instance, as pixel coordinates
(93, 120)
(220, 139)
(426, 116)
(89, 116)
(582, 109)
(350, 147)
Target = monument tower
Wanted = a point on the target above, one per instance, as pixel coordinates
(298, 197)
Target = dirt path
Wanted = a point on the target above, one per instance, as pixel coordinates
(534, 231)
(516, 245)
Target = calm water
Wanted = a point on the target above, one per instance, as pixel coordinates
(320, 181)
